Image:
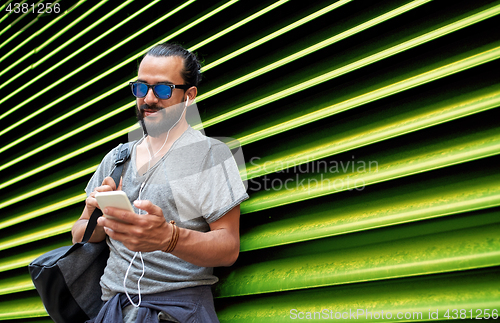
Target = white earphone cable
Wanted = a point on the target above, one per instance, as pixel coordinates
(140, 191)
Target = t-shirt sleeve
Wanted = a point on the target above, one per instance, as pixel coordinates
(220, 183)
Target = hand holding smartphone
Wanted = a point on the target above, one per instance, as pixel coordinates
(116, 199)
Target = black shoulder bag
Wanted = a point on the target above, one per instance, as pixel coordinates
(67, 278)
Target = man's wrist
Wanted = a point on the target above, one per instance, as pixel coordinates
(173, 238)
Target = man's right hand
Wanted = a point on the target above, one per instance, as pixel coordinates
(108, 184)
(78, 230)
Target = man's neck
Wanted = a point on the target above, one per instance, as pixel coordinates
(158, 143)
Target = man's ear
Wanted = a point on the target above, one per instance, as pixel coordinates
(191, 93)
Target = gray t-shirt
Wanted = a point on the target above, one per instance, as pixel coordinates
(195, 183)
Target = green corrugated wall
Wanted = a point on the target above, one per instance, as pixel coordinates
(369, 132)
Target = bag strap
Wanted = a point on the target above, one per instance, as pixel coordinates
(121, 157)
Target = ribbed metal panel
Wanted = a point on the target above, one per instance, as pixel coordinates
(369, 131)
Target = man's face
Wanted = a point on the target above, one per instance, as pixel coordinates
(160, 115)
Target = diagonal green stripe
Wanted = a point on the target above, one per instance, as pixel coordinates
(275, 34)
(392, 206)
(469, 291)
(414, 120)
(28, 307)
(312, 49)
(24, 28)
(113, 90)
(66, 157)
(23, 259)
(8, 14)
(377, 94)
(368, 97)
(69, 134)
(40, 31)
(5, 5)
(423, 255)
(119, 87)
(44, 232)
(482, 145)
(44, 210)
(67, 76)
(8, 222)
(356, 65)
(238, 24)
(116, 67)
(16, 284)
(50, 40)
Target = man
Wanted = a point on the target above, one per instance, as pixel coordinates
(174, 173)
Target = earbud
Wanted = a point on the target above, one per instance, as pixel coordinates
(187, 101)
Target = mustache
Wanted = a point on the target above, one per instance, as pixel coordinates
(140, 113)
(145, 107)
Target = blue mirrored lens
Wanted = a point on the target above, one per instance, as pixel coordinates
(163, 91)
(140, 90)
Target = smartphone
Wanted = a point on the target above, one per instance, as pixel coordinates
(117, 199)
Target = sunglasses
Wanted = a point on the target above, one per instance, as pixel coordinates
(161, 91)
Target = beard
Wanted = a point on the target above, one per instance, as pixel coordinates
(162, 121)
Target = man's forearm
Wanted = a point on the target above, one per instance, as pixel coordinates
(79, 227)
(210, 249)
(150, 232)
